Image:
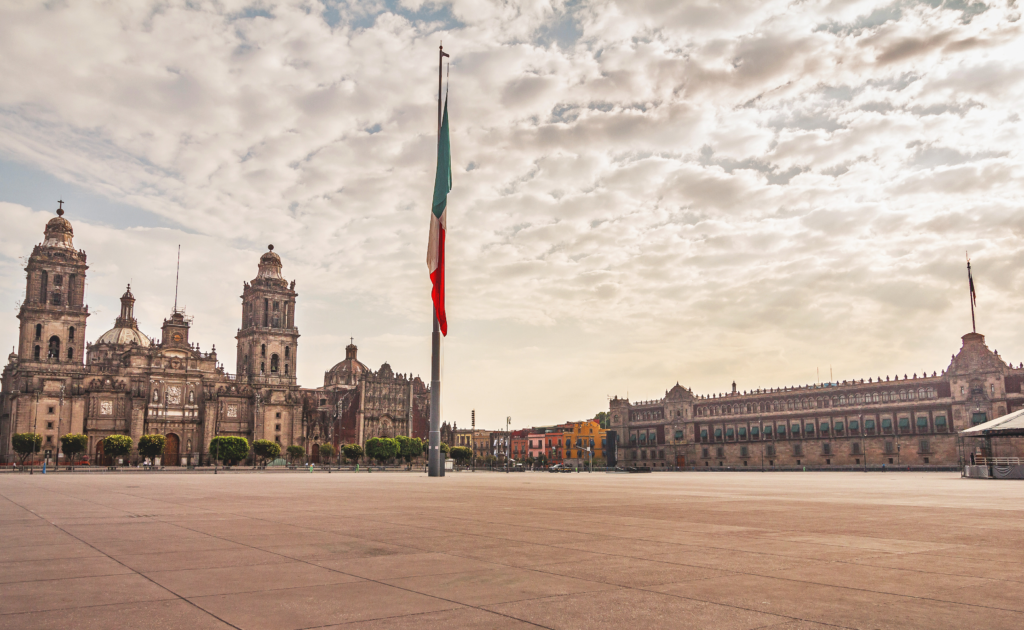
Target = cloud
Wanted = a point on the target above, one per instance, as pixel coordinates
(644, 192)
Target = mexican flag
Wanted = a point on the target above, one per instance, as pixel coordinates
(439, 221)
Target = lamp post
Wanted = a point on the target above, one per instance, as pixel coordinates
(508, 443)
(35, 427)
(60, 415)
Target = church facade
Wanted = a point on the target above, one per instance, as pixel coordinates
(908, 421)
(128, 383)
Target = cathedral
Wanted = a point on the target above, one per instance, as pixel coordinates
(128, 383)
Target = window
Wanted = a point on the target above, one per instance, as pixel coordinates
(55, 298)
(58, 280)
(287, 352)
(809, 428)
(743, 432)
(886, 424)
(286, 369)
(729, 433)
(826, 448)
(71, 353)
(904, 424)
(923, 446)
(263, 367)
(922, 423)
(855, 448)
(277, 427)
(71, 334)
(798, 450)
(718, 433)
(978, 418)
(961, 390)
(705, 452)
(39, 331)
(720, 451)
(679, 435)
(273, 364)
(854, 425)
(839, 426)
(49, 439)
(889, 448)
(754, 432)
(703, 434)
(940, 423)
(869, 425)
(824, 427)
(263, 350)
(767, 431)
(35, 352)
(49, 425)
(54, 351)
(769, 450)
(50, 410)
(743, 451)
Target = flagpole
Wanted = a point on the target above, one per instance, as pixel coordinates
(970, 287)
(434, 467)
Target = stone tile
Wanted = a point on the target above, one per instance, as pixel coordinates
(457, 619)
(59, 568)
(627, 608)
(41, 553)
(171, 614)
(177, 560)
(503, 585)
(243, 579)
(44, 595)
(294, 608)
(407, 565)
(633, 572)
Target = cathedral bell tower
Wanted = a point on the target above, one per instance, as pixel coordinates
(268, 339)
(53, 314)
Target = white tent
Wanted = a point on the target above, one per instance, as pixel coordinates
(1012, 424)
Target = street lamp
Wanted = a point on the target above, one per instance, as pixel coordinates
(508, 443)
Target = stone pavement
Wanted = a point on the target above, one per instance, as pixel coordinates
(784, 551)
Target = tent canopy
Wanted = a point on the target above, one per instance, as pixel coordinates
(1012, 424)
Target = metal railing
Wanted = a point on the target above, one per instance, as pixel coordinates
(997, 461)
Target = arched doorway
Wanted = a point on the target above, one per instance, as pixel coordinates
(171, 448)
(100, 459)
(314, 454)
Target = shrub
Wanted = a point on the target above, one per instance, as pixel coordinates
(25, 444)
(446, 449)
(409, 448)
(326, 452)
(152, 446)
(266, 450)
(229, 449)
(116, 446)
(73, 444)
(295, 452)
(461, 454)
(352, 452)
(382, 449)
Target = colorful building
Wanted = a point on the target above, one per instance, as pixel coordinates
(578, 436)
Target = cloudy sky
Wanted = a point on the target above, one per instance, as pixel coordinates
(644, 192)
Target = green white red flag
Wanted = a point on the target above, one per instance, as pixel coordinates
(439, 221)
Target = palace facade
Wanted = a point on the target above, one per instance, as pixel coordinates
(908, 421)
(128, 383)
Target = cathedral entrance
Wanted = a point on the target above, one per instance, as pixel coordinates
(100, 459)
(171, 447)
(314, 454)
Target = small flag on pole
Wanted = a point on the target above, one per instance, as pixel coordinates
(439, 221)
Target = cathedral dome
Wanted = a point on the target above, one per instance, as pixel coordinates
(270, 265)
(59, 232)
(124, 336)
(348, 371)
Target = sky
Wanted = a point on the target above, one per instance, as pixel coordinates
(645, 192)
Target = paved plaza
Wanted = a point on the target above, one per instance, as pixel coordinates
(785, 551)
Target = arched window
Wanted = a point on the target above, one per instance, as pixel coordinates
(54, 351)
(35, 353)
(287, 352)
(43, 286)
(55, 298)
(71, 353)
(903, 395)
(58, 280)
(842, 400)
(263, 367)
(263, 350)
(286, 369)
(71, 334)
(39, 331)
(874, 397)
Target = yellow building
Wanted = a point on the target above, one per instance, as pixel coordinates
(578, 436)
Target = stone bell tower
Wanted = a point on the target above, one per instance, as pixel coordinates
(53, 313)
(268, 339)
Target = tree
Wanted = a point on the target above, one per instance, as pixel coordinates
(446, 449)
(382, 449)
(602, 419)
(352, 452)
(152, 446)
(266, 450)
(461, 454)
(116, 446)
(73, 444)
(327, 452)
(542, 460)
(295, 452)
(229, 449)
(26, 444)
(409, 448)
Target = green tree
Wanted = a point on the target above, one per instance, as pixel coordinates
(352, 452)
(542, 460)
(327, 452)
(25, 444)
(382, 449)
(152, 446)
(73, 444)
(295, 453)
(446, 449)
(266, 450)
(115, 446)
(409, 448)
(602, 418)
(229, 449)
(461, 454)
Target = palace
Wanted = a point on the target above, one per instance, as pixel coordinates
(909, 421)
(127, 383)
